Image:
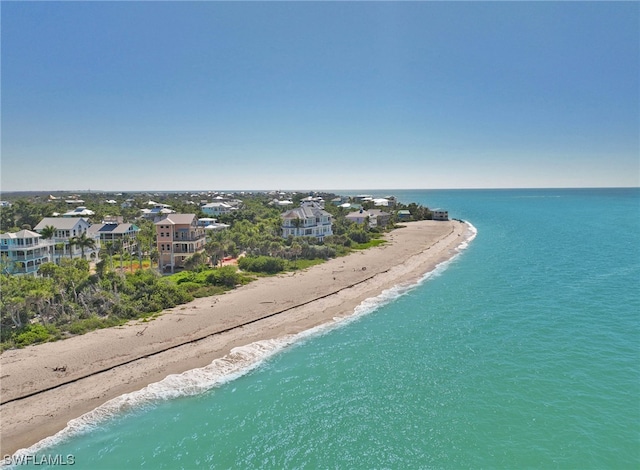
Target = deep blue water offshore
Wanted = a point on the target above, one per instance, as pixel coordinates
(523, 352)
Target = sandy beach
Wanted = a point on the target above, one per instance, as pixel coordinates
(45, 386)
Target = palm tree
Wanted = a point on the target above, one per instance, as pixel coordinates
(296, 250)
(47, 233)
(215, 251)
(71, 243)
(118, 247)
(108, 246)
(59, 247)
(83, 242)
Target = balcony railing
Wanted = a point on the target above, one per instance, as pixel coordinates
(188, 238)
(22, 270)
(29, 257)
(179, 250)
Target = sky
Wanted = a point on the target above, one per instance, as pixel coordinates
(124, 96)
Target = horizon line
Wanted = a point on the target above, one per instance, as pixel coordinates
(109, 191)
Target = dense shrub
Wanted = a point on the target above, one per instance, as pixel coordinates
(93, 323)
(318, 252)
(261, 264)
(31, 334)
(340, 240)
(207, 291)
(359, 236)
(227, 276)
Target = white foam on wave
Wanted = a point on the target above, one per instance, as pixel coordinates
(192, 382)
(237, 363)
(441, 267)
(473, 232)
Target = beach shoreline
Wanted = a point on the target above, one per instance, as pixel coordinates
(45, 386)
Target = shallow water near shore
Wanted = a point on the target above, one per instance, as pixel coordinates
(522, 352)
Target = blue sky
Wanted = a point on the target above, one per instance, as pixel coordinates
(319, 95)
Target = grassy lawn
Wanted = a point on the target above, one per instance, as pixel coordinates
(369, 244)
(301, 264)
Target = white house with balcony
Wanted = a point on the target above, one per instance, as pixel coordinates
(122, 235)
(307, 221)
(23, 252)
(66, 229)
(375, 217)
(440, 214)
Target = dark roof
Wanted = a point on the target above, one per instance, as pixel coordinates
(113, 228)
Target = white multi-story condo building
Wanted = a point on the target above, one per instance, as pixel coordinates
(307, 221)
(23, 252)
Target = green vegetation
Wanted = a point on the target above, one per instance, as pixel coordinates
(301, 264)
(32, 334)
(262, 264)
(369, 244)
(70, 298)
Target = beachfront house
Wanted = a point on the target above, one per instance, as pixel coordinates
(307, 221)
(122, 236)
(381, 201)
(403, 214)
(178, 237)
(66, 229)
(23, 252)
(440, 214)
(357, 217)
(376, 217)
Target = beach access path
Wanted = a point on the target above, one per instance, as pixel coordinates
(44, 386)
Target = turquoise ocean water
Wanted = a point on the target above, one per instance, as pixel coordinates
(523, 352)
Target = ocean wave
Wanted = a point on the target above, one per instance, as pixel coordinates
(240, 361)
